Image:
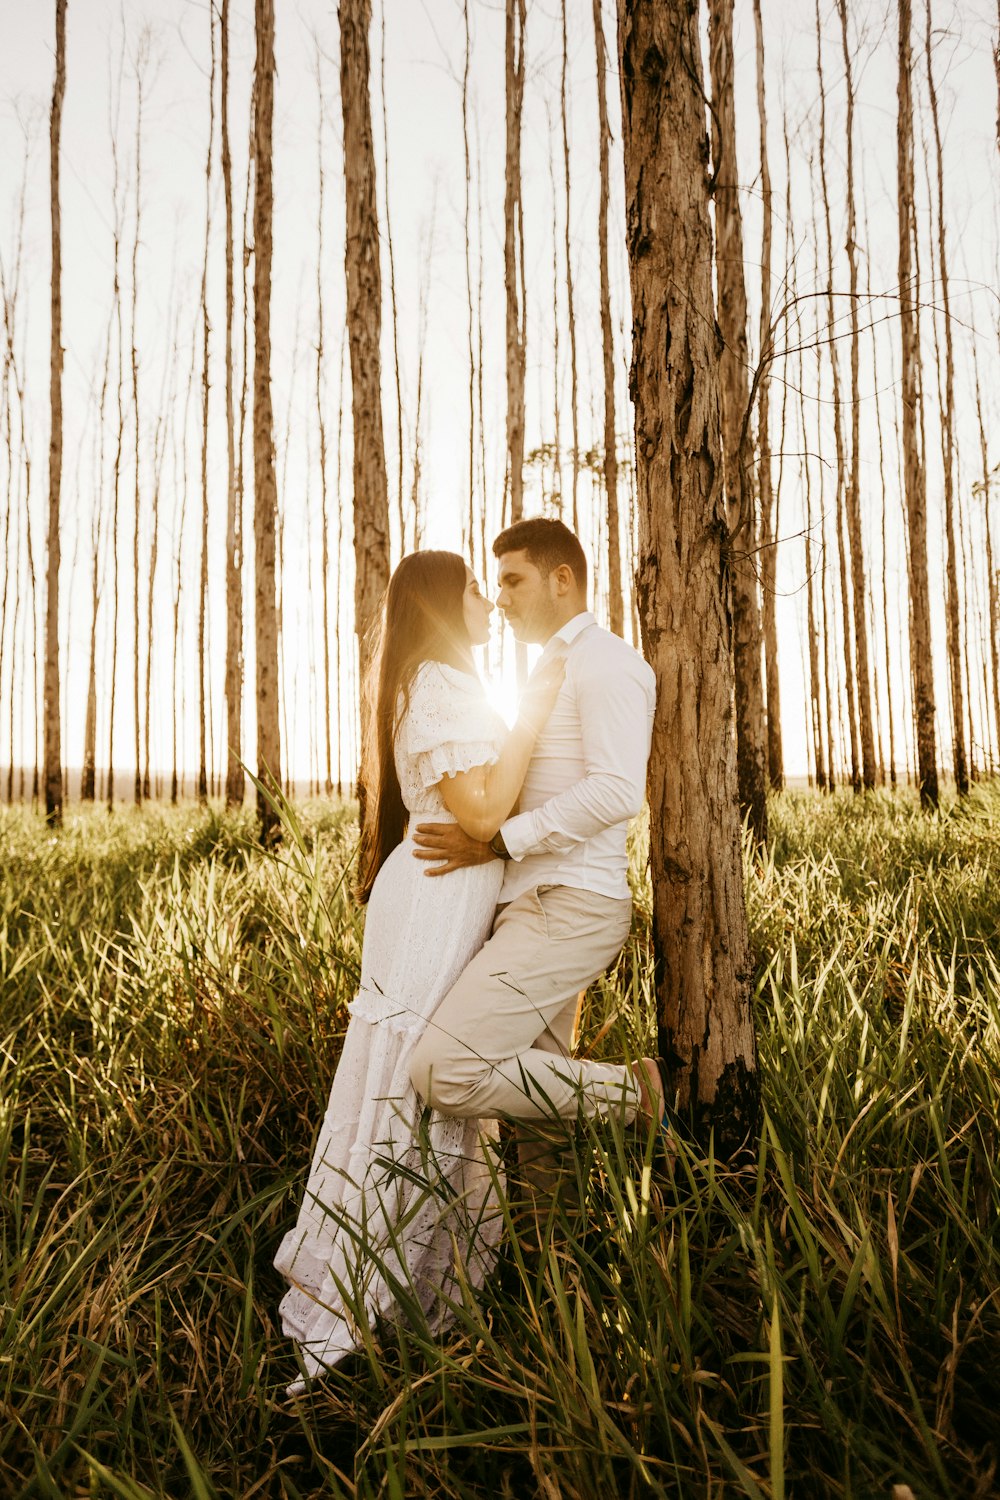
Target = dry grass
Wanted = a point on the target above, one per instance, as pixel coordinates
(823, 1322)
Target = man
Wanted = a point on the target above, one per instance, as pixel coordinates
(499, 1043)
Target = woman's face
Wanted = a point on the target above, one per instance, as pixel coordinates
(476, 610)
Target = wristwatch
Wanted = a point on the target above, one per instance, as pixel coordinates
(498, 846)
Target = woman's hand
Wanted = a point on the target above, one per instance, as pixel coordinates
(540, 694)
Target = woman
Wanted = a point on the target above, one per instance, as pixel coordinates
(389, 1196)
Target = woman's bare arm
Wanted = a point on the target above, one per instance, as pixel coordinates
(481, 799)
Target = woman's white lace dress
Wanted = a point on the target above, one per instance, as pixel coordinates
(393, 1200)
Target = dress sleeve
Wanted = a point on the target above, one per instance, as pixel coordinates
(447, 727)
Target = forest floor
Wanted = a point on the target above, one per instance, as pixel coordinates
(822, 1321)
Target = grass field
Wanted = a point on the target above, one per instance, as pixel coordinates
(824, 1321)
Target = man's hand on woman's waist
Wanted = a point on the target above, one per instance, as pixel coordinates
(449, 843)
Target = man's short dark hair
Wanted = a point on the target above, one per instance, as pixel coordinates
(548, 544)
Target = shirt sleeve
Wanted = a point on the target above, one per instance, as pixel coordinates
(616, 709)
(447, 726)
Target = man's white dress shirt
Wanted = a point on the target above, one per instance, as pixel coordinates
(587, 776)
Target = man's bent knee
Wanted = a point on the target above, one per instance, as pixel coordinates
(441, 1080)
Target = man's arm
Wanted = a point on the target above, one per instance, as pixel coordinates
(615, 724)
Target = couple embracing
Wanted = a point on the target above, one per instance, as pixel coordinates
(483, 927)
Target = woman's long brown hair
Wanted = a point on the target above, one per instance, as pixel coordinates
(422, 620)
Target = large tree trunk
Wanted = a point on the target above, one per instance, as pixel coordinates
(699, 916)
(768, 500)
(265, 486)
(913, 472)
(53, 747)
(735, 395)
(364, 324)
(616, 611)
(235, 780)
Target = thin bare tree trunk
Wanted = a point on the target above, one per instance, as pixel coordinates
(89, 771)
(247, 253)
(480, 361)
(10, 293)
(167, 396)
(969, 600)
(203, 708)
(470, 478)
(885, 588)
(948, 449)
(265, 487)
(53, 745)
(235, 779)
(751, 744)
(176, 786)
(137, 486)
(768, 501)
(288, 678)
(13, 660)
(991, 577)
(821, 470)
(913, 471)
(570, 303)
(853, 492)
(423, 295)
(321, 425)
(699, 916)
(838, 429)
(9, 507)
(116, 302)
(805, 473)
(815, 690)
(512, 246)
(339, 549)
(392, 290)
(364, 322)
(557, 474)
(616, 609)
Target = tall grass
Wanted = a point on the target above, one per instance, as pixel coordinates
(822, 1321)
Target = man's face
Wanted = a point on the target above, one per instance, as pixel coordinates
(528, 599)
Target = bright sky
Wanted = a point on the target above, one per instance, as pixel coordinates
(424, 53)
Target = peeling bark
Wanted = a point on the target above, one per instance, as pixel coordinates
(699, 916)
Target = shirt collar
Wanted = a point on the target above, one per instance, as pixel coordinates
(573, 628)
